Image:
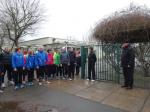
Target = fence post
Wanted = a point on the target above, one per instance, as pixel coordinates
(83, 61)
(118, 62)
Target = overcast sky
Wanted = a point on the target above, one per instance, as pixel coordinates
(75, 18)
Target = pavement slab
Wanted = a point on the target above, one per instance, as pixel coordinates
(125, 102)
(44, 99)
(78, 96)
(146, 107)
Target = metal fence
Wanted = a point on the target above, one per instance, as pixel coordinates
(108, 65)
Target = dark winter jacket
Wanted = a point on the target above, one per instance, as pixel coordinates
(92, 59)
(64, 58)
(72, 57)
(1, 68)
(7, 58)
(1, 64)
(78, 61)
(128, 57)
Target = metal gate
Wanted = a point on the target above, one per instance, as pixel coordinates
(107, 67)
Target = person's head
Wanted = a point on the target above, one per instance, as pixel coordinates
(78, 52)
(49, 51)
(30, 52)
(7, 50)
(125, 45)
(73, 49)
(18, 50)
(70, 49)
(40, 49)
(56, 50)
(63, 49)
(91, 49)
(25, 52)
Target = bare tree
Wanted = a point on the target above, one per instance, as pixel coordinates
(3, 37)
(19, 18)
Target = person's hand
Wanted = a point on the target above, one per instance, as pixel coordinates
(23, 68)
(37, 67)
(15, 69)
(61, 65)
(129, 66)
(2, 74)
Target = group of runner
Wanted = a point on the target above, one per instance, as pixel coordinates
(22, 67)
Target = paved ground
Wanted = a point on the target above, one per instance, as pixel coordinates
(78, 96)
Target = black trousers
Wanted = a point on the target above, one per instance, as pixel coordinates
(91, 68)
(50, 70)
(65, 70)
(1, 81)
(25, 72)
(71, 70)
(128, 76)
(77, 70)
(18, 76)
(8, 69)
(58, 69)
(37, 73)
(41, 72)
(30, 74)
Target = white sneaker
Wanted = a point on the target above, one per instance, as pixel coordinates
(92, 80)
(31, 84)
(70, 79)
(3, 85)
(11, 82)
(16, 88)
(40, 83)
(24, 82)
(22, 86)
(87, 79)
(48, 82)
(1, 91)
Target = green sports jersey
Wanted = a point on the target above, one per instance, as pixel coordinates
(56, 58)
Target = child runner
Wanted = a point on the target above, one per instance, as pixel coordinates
(49, 65)
(18, 66)
(30, 64)
(25, 55)
(40, 62)
(57, 63)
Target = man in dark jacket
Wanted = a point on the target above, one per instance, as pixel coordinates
(78, 62)
(72, 57)
(65, 62)
(1, 76)
(91, 64)
(128, 63)
(7, 57)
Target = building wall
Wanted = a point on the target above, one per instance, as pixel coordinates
(41, 41)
